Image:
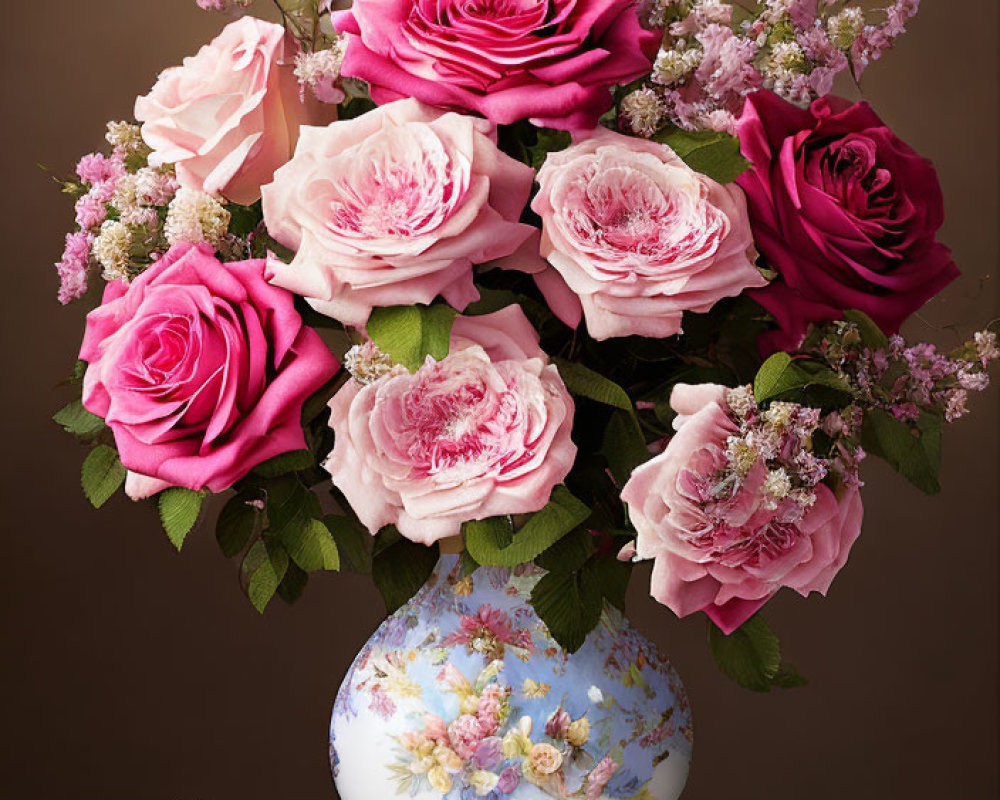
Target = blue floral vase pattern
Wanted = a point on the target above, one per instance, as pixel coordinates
(463, 694)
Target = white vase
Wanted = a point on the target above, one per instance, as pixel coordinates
(463, 694)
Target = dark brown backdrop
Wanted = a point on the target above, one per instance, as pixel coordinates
(132, 673)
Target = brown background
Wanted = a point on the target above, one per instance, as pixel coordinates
(131, 673)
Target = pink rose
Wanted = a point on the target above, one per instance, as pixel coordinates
(639, 236)
(482, 433)
(844, 211)
(553, 61)
(230, 116)
(464, 736)
(394, 208)
(200, 369)
(728, 554)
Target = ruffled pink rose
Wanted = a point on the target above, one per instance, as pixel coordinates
(844, 211)
(639, 236)
(728, 554)
(552, 61)
(482, 433)
(230, 116)
(395, 207)
(200, 369)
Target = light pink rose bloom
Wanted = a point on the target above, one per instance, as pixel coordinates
(639, 236)
(464, 735)
(553, 61)
(200, 370)
(395, 207)
(482, 433)
(729, 555)
(230, 115)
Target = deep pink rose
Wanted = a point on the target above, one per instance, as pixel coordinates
(728, 554)
(844, 211)
(395, 207)
(639, 236)
(482, 433)
(200, 369)
(230, 116)
(552, 61)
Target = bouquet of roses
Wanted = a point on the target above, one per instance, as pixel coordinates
(577, 281)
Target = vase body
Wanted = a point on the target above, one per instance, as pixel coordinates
(463, 694)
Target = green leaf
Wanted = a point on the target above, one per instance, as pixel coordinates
(750, 655)
(290, 503)
(569, 603)
(583, 381)
(569, 554)
(782, 377)
(549, 141)
(264, 568)
(788, 677)
(492, 542)
(871, 334)
(102, 475)
(76, 420)
(411, 333)
(353, 544)
(293, 461)
(624, 447)
(293, 584)
(238, 523)
(311, 545)
(400, 568)
(179, 511)
(913, 451)
(711, 153)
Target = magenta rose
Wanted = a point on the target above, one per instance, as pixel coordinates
(482, 433)
(200, 370)
(727, 553)
(552, 61)
(638, 236)
(844, 211)
(230, 116)
(395, 207)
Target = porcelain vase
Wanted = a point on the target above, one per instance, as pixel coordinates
(463, 694)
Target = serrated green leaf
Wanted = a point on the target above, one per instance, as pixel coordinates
(102, 475)
(623, 447)
(411, 333)
(237, 525)
(179, 511)
(492, 542)
(289, 503)
(750, 655)
(913, 451)
(783, 378)
(75, 419)
(264, 568)
(310, 545)
(400, 568)
(353, 544)
(569, 603)
(293, 461)
(711, 153)
(569, 554)
(613, 577)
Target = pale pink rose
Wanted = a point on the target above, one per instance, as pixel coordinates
(482, 433)
(728, 555)
(395, 207)
(230, 115)
(639, 236)
(200, 369)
